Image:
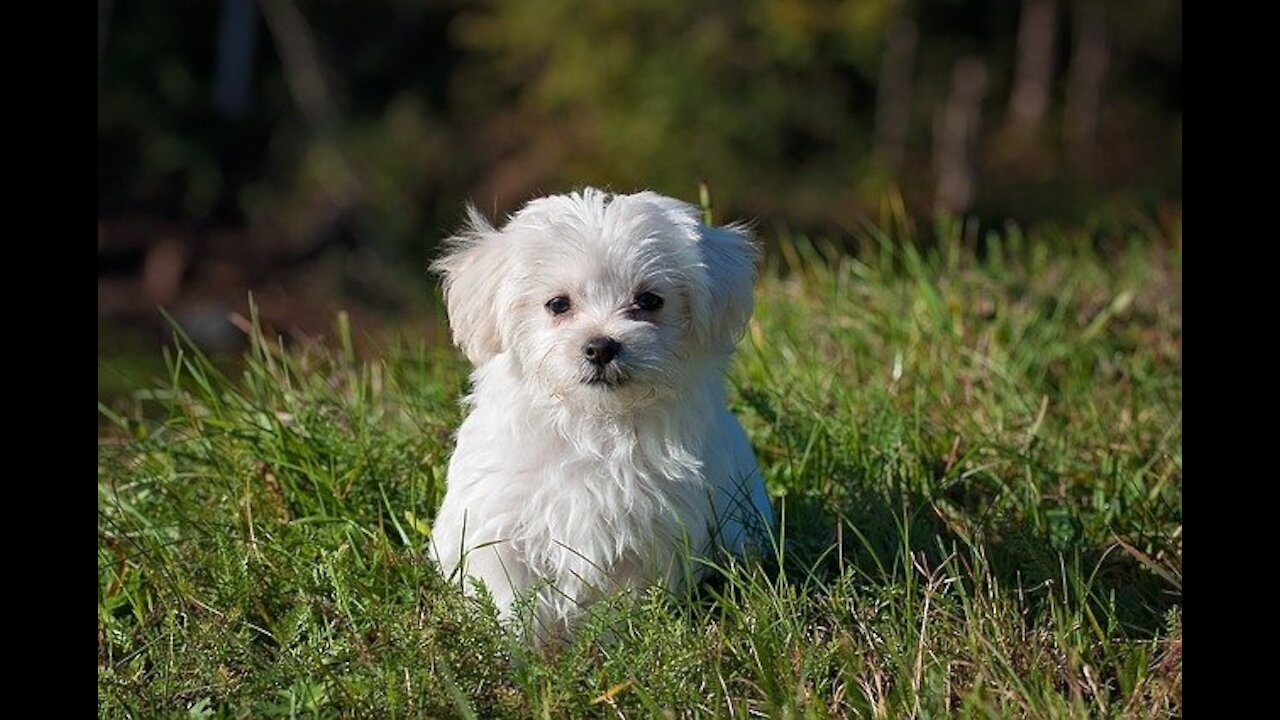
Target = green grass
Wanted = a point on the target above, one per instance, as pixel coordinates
(978, 461)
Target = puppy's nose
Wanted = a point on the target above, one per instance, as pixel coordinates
(600, 350)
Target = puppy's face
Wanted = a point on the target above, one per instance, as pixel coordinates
(603, 310)
(608, 302)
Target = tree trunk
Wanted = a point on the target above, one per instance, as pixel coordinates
(955, 137)
(893, 95)
(1033, 73)
(237, 41)
(302, 66)
(1089, 60)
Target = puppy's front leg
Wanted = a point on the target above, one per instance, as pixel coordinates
(489, 561)
(496, 566)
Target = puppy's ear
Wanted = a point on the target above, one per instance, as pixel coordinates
(722, 308)
(475, 263)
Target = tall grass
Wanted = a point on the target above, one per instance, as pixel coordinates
(975, 447)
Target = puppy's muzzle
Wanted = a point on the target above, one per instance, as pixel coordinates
(600, 351)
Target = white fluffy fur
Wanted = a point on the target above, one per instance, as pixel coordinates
(563, 490)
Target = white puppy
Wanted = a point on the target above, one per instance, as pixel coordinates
(598, 453)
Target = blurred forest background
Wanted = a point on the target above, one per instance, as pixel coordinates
(315, 153)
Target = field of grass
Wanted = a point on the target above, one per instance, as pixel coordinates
(977, 458)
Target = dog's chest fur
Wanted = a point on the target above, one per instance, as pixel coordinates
(585, 503)
(610, 496)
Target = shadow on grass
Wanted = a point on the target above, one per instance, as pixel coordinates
(880, 537)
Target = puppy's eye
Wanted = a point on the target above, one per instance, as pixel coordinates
(558, 305)
(648, 302)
